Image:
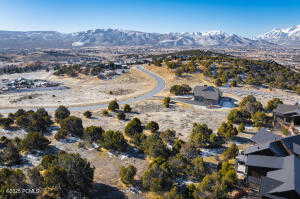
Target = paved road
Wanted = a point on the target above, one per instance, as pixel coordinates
(160, 85)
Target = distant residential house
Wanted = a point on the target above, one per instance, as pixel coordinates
(272, 165)
(207, 95)
(287, 116)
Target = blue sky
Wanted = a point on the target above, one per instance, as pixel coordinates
(245, 17)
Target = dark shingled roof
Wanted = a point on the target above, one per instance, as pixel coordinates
(273, 197)
(296, 148)
(269, 141)
(283, 109)
(264, 161)
(285, 176)
(264, 136)
(267, 184)
(256, 148)
(290, 141)
(289, 175)
(284, 164)
(207, 92)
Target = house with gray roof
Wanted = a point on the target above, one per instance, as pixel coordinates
(265, 136)
(287, 116)
(284, 181)
(207, 95)
(272, 165)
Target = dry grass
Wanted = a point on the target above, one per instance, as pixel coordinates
(171, 79)
(211, 159)
(84, 90)
(179, 117)
(153, 195)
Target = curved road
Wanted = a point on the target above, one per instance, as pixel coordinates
(160, 85)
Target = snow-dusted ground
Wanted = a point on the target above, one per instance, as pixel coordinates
(11, 134)
(134, 190)
(211, 152)
(262, 95)
(83, 90)
(28, 160)
(33, 159)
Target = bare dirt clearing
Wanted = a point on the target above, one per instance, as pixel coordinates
(179, 117)
(83, 90)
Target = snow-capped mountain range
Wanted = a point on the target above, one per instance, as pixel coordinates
(121, 37)
(288, 36)
(116, 37)
(34, 39)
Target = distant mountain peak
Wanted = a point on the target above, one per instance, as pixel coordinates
(128, 37)
(118, 37)
(283, 36)
(282, 33)
(293, 28)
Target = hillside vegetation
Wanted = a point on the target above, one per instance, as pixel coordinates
(225, 69)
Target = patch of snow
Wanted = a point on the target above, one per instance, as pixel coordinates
(110, 154)
(33, 159)
(248, 126)
(29, 160)
(211, 152)
(169, 146)
(94, 146)
(78, 43)
(183, 181)
(123, 156)
(11, 134)
(135, 190)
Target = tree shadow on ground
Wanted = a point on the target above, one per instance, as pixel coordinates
(132, 113)
(103, 191)
(51, 130)
(51, 149)
(241, 140)
(185, 76)
(13, 128)
(131, 152)
(249, 133)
